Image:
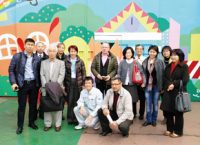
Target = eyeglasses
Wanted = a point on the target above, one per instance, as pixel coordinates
(115, 84)
(104, 47)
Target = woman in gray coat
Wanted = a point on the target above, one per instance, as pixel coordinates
(153, 69)
(125, 72)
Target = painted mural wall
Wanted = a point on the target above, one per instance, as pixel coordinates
(86, 23)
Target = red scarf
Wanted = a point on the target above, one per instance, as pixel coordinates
(173, 66)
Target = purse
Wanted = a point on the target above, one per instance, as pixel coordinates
(137, 77)
(182, 100)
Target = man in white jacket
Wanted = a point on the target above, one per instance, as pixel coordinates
(88, 104)
(116, 112)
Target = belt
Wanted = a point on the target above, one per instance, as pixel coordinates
(29, 81)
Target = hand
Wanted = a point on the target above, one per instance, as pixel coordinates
(15, 87)
(143, 85)
(99, 77)
(82, 110)
(106, 111)
(161, 92)
(88, 120)
(114, 125)
(107, 78)
(170, 87)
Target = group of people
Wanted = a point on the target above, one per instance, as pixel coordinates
(112, 104)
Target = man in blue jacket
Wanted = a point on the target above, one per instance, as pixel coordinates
(24, 78)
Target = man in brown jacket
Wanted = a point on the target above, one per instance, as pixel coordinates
(104, 67)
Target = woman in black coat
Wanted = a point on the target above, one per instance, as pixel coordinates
(174, 72)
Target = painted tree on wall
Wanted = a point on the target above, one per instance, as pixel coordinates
(81, 32)
(44, 15)
(162, 22)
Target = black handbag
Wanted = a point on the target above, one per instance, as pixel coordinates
(183, 103)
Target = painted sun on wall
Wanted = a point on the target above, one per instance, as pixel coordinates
(86, 23)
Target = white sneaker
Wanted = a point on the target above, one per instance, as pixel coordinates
(80, 126)
(96, 126)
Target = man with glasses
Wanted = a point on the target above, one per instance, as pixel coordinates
(116, 112)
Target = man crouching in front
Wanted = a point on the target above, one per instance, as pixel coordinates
(116, 112)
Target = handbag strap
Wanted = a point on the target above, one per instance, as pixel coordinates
(135, 65)
(181, 86)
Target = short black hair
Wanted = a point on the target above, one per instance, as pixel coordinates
(168, 48)
(109, 43)
(180, 54)
(116, 78)
(126, 49)
(137, 45)
(88, 78)
(29, 40)
(155, 48)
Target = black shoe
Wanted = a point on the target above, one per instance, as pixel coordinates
(33, 126)
(75, 122)
(141, 117)
(70, 122)
(146, 124)
(104, 133)
(135, 116)
(19, 130)
(125, 135)
(154, 124)
(63, 118)
(41, 116)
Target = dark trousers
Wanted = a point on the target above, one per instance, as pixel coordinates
(27, 90)
(103, 87)
(175, 122)
(40, 108)
(141, 95)
(73, 97)
(123, 127)
(134, 109)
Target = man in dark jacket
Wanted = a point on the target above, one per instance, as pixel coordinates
(24, 78)
(40, 48)
(104, 67)
(61, 51)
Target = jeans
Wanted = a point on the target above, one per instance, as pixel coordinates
(151, 97)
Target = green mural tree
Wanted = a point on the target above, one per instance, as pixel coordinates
(192, 90)
(44, 15)
(81, 32)
(5, 87)
(80, 15)
(162, 22)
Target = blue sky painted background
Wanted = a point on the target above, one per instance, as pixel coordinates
(185, 12)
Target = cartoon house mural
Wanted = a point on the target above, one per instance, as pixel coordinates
(134, 26)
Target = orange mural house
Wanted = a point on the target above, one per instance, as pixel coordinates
(9, 35)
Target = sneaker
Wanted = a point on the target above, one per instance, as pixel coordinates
(80, 126)
(96, 126)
